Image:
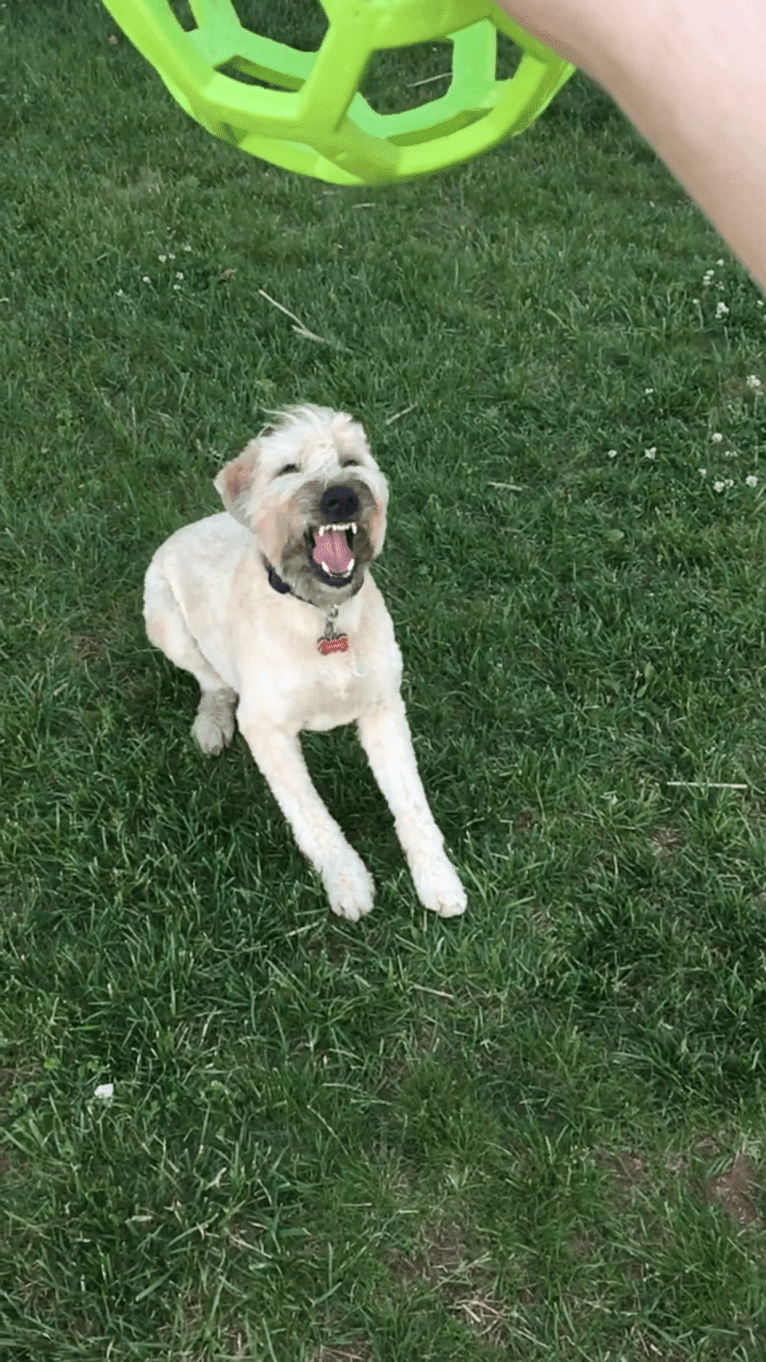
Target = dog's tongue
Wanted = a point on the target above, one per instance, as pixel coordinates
(331, 549)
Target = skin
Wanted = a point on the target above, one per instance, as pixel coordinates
(691, 76)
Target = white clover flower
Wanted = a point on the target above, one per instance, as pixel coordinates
(187, 248)
(719, 262)
(648, 390)
(145, 279)
(717, 438)
(104, 1091)
(650, 453)
(120, 293)
(611, 454)
(179, 274)
(753, 381)
(176, 287)
(718, 485)
(721, 309)
(703, 471)
(162, 258)
(751, 480)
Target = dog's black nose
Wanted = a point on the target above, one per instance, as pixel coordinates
(338, 504)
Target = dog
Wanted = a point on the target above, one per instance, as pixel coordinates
(271, 606)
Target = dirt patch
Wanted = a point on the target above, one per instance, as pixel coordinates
(484, 1314)
(344, 1352)
(523, 823)
(628, 1170)
(442, 1255)
(665, 840)
(736, 1190)
(444, 1264)
(87, 647)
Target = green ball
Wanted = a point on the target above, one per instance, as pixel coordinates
(308, 114)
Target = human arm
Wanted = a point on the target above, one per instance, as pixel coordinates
(691, 76)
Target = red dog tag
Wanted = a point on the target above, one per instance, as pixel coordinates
(338, 644)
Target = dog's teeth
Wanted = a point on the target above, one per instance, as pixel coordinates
(346, 573)
(335, 525)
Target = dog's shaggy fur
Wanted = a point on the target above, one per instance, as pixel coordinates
(271, 607)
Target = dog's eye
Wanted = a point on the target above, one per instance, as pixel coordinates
(288, 468)
(349, 463)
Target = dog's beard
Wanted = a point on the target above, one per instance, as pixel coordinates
(326, 565)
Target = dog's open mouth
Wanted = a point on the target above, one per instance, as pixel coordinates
(332, 552)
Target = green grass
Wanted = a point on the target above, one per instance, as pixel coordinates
(534, 1133)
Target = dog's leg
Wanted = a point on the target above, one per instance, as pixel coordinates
(166, 628)
(385, 736)
(278, 755)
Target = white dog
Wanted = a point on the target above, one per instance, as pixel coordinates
(271, 607)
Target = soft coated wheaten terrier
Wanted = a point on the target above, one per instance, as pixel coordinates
(271, 607)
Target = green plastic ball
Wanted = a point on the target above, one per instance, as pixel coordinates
(304, 111)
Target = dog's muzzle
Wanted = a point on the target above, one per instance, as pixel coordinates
(333, 547)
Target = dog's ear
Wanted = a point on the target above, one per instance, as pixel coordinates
(234, 483)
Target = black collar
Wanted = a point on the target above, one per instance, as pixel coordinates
(276, 581)
(283, 587)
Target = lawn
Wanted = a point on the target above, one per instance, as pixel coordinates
(536, 1132)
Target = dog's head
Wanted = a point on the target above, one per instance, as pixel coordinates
(315, 499)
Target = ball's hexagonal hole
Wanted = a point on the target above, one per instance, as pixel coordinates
(508, 57)
(301, 24)
(403, 78)
(182, 11)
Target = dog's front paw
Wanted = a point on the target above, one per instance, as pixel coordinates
(350, 888)
(438, 886)
(211, 734)
(213, 728)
